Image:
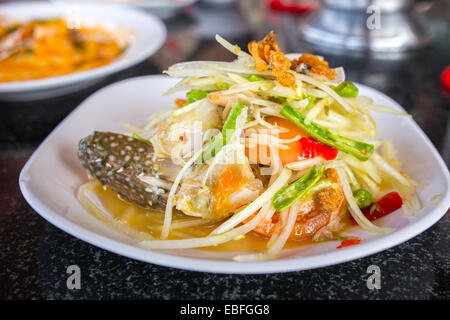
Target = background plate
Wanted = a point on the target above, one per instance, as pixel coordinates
(148, 31)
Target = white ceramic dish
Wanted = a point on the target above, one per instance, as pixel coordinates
(147, 31)
(164, 9)
(51, 176)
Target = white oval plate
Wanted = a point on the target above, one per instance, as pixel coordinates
(148, 33)
(53, 173)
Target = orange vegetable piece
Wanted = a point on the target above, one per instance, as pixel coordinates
(291, 154)
(328, 202)
(316, 65)
(180, 102)
(230, 180)
(267, 55)
(303, 228)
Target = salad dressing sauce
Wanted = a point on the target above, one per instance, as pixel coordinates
(150, 222)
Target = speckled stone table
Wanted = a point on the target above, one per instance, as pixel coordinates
(34, 255)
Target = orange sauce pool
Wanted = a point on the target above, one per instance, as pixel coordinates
(47, 48)
(150, 222)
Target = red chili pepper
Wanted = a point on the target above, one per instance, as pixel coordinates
(445, 78)
(349, 242)
(292, 7)
(388, 204)
(312, 148)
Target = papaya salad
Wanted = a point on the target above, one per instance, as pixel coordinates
(52, 47)
(273, 146)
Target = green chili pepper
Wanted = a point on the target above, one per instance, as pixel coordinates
(195, 95)
(358, 149)
(227, 131)
(311, 101)
(288, 195)
(346, 89)
(221, 85)
(363, 198)
(255, 77)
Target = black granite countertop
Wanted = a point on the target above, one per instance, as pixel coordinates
(34, 255)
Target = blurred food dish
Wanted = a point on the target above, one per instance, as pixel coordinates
(50, 47)
(48, 50)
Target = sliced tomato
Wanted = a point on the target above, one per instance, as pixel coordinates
(312, 148)
(388, 204)
(291, 153)
(304, 148)
(294, 150)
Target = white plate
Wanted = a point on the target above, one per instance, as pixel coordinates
(162, 8)
(51, 176)
(148, 31)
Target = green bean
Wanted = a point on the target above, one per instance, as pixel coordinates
(358, 149)
(288, 195)
(363, 198)
(346, 89)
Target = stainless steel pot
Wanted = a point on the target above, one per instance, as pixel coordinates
(375, 25)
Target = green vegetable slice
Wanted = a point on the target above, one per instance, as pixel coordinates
(195, 95)
(255, 77)
(227, 131)
(358, 149)
(311, 101)
(288, 195)
(346, 89)
(363, 198)
(220, 85)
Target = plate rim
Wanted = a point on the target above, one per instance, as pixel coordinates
(91, 74)
(373, 246)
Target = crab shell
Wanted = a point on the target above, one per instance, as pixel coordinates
(127, 166)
